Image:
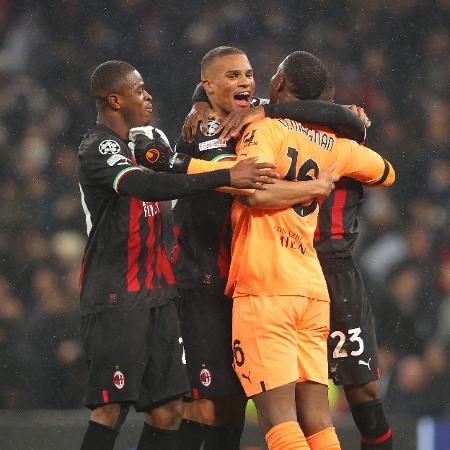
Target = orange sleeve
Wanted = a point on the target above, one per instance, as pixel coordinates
(363, 164)
(201, 166)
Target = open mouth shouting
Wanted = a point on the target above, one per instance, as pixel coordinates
(242, 99)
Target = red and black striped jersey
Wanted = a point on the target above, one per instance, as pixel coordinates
(337, 225)
(125, 264)
(202, 222)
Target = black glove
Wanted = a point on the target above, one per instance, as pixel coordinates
(155, 154)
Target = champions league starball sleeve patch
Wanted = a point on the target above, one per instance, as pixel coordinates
(212, 127)
(109, 147)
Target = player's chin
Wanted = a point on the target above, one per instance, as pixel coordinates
(147, 117)
(240, 106)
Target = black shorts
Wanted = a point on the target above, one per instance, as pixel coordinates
(352, 345)
(205, 317)
(134, 356)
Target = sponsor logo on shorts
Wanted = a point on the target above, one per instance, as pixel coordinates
(109, 147)
(363, 363)
(205, 377)
(119, 379)
(183, 356)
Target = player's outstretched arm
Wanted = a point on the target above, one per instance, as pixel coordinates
(284, 194)
(154, 186)
(363, 164)
(339, 118)
(153, 152)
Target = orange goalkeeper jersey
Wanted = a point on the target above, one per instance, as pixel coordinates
(272, 250)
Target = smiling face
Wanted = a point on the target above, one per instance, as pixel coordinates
(135, 101)
(229, 83)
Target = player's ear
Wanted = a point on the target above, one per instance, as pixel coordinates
(113, 101)
(281, 83)
(208, 86)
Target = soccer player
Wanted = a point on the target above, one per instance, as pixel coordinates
(129, 325)
(352, 348)
(281, 302)
(352, 345)
(201, 257)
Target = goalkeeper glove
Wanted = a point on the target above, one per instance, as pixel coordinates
(152, 150)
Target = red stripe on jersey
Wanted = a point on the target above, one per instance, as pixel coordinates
(317, 230)
(377, 440)
(195, 395)
(160, 255)
(105, 396)
(83, 263)
(337, 213)
(149, 245)
(134, 245)
(176, 248)
(379, 373)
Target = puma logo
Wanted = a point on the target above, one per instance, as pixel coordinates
(247, 377)
(363, 363)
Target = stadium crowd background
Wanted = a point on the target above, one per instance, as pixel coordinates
(391, 57)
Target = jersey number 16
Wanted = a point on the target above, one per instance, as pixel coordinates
(303, 174)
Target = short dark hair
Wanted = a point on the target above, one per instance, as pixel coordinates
(306, 74)
(329, 89)
(218, 52)
(108, 76)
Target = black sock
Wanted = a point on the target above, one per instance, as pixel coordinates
(98, 437)
(372, 424)
(192, 434)
(153, 438)
(220, 438)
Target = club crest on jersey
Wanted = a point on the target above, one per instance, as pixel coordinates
(205, 377)
(213, 143)
(119, 379)
(109, 147)
(249, 139)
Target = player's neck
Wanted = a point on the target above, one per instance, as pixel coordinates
(118, 126)
(218, 112)
(286, 96)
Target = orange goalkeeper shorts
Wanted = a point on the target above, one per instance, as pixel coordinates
(279, 340)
